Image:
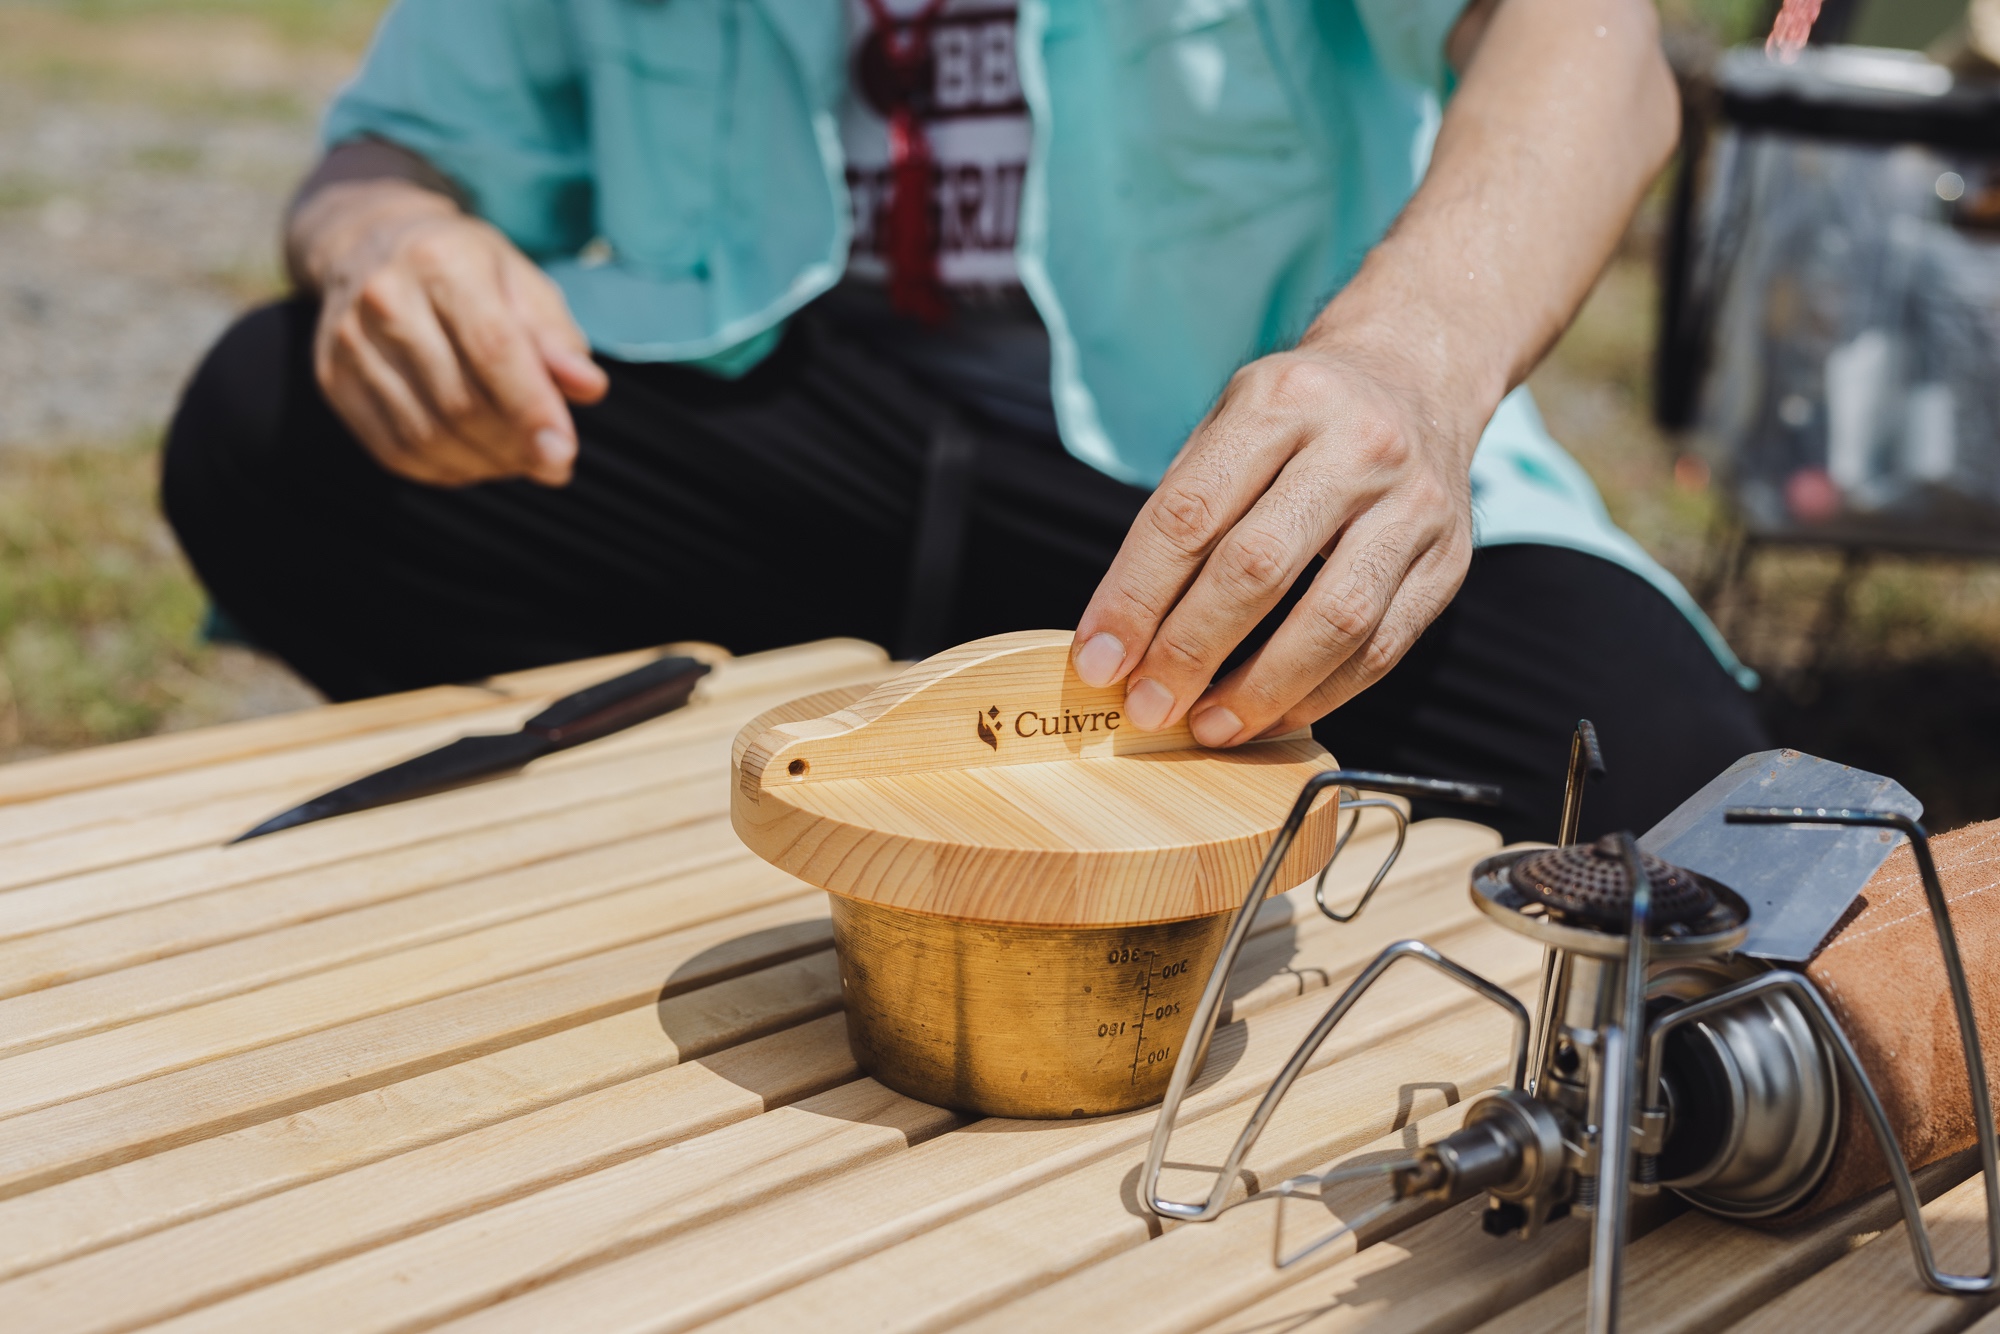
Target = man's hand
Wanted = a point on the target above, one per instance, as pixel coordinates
(1356, 444)
(445, 350)
(1321, 451)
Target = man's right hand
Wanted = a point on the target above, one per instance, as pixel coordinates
(444, 349)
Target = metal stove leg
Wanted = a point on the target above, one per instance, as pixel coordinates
(1268, 1106)
(1201, 1026)
(1616, 1105)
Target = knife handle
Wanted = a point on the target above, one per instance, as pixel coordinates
(646, 692)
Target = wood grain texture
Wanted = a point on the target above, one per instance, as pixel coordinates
(955, 1177)
(213, 1097)
(126, 880)
(474, 1261)
(619, 797)
(200, 1262)
(184, 980)
(989, 784)
(87, 770)
(555, 1053)
(1089, 1218)
(1700, 1273)
(1190, 1276)
(145, 1195)
(1875, 1286)
(174, 1041)
(181, 770)
(326, 902)
(1296, 953)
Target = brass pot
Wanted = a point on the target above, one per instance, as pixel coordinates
(1020, 1021)
(1028, 895)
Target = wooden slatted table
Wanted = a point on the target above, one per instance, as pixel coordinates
(555, 1052)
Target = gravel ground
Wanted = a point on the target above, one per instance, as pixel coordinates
(114, 277)
(137, 214)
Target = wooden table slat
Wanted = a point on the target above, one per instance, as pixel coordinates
(106, 766)
(633, 1101)
(100, 880)
(116, 1126)
(848, 1221)
(471, 1262)
(554, 1053)
(410, 896)
(89, 1212)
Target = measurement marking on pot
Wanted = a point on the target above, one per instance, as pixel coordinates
(1148, 1011)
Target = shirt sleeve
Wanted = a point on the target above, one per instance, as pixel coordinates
(490, 92)
(1409, 37)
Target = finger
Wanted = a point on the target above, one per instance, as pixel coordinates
(365, 418)
(1302, 674)
(345, 386)
(1338, 613)
(365, 414)
(427, 450)
(1397, 635)
(1227, 464)
(400, 325)
(1248, 574)
(580, 379)
(565, 350)
(502, 360)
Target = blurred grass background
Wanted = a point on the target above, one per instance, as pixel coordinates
(147, 148)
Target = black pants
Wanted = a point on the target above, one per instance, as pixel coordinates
(826, 493)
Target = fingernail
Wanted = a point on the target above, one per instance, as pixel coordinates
(1215, 727)
(1098, 661)
(1147, 704)
(554, 447)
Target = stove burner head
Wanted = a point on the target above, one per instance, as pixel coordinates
(1589, 883)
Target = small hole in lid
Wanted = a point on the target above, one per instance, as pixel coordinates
(797, 768)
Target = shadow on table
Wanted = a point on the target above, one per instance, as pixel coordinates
(798, 960)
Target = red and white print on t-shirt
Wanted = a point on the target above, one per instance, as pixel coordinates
(977, 125)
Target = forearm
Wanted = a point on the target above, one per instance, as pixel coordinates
(1565, 114)
(361, 190)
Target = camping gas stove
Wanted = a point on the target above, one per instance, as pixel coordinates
(1677, 1044)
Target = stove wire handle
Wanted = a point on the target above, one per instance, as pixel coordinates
(1822, 1017)
(1201, 1027)
(1355, 802)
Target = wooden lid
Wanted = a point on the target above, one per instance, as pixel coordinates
(990, 784)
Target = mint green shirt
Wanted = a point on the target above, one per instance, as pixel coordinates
(1205, 175)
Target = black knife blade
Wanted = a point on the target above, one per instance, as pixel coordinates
(660, 686)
